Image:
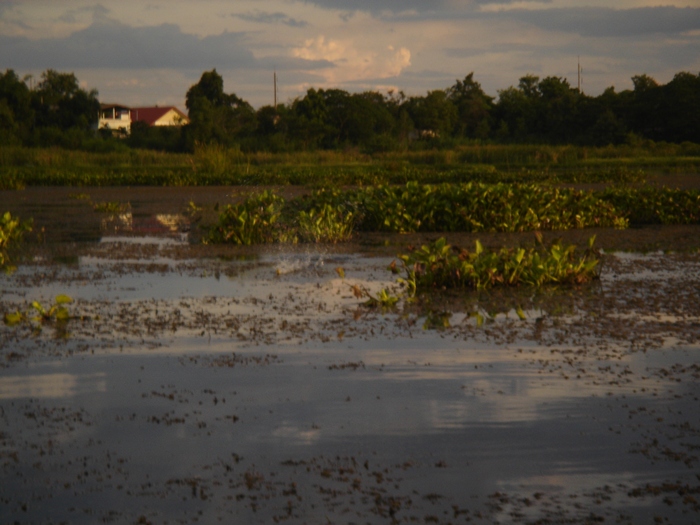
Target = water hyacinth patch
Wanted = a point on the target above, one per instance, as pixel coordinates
(254, 221)
(326, 224)
(334, 215)
(440, 265)
(476, 207)
(11, 232)
(655, 205)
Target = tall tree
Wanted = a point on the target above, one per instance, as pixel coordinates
(60, 102)
(16, 113)
(434, 113)
(216, 116)
(473, 108)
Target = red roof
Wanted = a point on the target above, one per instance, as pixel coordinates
(151, 114)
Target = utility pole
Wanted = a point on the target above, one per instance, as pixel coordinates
(274, 79)
(579, 74)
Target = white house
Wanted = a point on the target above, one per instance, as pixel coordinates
(114, 117)
(118, 118)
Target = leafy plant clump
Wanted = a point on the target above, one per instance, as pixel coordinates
(440, 265)
(57, 312)
(110, 207)
(334, 215)
(327, 224)
(656, 205)
(11, 232)
(476, 207)
(253, 221)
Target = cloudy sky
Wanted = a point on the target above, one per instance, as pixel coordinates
(144, 52)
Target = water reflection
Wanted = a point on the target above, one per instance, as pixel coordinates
(232, 387)
(57, 385)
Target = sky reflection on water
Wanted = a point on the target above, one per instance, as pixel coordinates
(215, 395)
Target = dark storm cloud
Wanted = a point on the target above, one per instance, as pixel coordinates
(271, 18)
(585, 21)
(111, 45)
(606, 22)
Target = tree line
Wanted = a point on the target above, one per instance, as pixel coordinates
(57, 112)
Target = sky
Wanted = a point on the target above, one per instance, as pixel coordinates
(150, 52)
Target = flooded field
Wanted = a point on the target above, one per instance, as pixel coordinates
(198, 384)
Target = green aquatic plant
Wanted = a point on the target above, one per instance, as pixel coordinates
(110, 207)
(57, 312)
(475, 207)
(655, 205)
(12, 230)
(253, 221)
(79, 196)
(440, 265)
(326, 224)
(383, 299)
(335, 215)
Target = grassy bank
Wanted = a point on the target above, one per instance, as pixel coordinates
(214, 165)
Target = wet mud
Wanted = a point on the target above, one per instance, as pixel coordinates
(199, 384)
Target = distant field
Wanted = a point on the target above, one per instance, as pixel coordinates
(214, 165)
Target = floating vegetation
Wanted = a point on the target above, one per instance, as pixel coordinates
(326, 224)
(476, 207)
(655, 205)
(254, 221)
(440, 265)
(110, 207)
(57, 312)
(383, 299)
(11, 232)
(333, 216)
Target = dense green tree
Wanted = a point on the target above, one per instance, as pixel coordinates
(516, 112)
(539, 110)
(473, 108)
(680, 105)
(309, 122)
(434, 114)
(60, 103)
(216, 116)
(16, 113)
(549, 110)
(557, 110)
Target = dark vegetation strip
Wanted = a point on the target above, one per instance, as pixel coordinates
(216, 165)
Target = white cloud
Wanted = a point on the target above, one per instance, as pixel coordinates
(351, 62)
(163, 46)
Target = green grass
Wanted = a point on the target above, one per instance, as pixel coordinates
(214, 165)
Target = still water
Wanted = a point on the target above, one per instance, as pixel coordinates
(259, 389)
